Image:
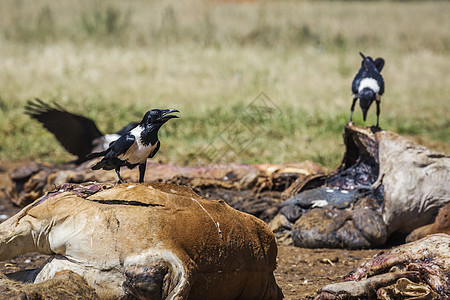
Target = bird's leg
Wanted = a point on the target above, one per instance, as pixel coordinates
(118, 175)
(353, 107)
(142, 171)
(378, 113)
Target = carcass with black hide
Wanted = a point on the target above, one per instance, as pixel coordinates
(385, 184)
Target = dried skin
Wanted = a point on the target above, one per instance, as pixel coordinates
(65, 285)
(429, 256)
(417, 269)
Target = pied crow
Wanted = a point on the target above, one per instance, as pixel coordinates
(134, 147)
(368, 85)
(77, 134)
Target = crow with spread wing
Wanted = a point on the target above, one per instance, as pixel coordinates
(77, 134)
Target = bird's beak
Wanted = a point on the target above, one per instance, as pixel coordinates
(166, 114)
(364, 111)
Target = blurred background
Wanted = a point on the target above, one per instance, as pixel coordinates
(218, 62)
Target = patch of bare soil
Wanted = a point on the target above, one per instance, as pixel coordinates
(300, 272)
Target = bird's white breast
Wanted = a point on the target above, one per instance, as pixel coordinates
(369, 83)
(138, 152)
(137, 135)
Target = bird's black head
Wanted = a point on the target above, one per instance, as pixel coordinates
(158, 117)
(366, 97)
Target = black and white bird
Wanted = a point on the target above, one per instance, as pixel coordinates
(368, 85)
(77, 134)
(134, 147)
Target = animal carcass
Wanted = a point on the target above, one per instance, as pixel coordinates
(149, 241)
(385, 184)
(417, 270)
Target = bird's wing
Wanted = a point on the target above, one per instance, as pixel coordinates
(120, 146)
(154, 150)
(379, 64)
(356, 82)
(381, 82)
(74, 132)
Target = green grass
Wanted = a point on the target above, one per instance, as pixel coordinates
(113, 60)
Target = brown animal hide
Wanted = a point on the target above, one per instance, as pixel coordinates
(440, 225)
(254, 189)
(65, 285)
(385, 184)
(417, 270)
(149, 241)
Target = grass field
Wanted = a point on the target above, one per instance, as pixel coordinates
(254, 81)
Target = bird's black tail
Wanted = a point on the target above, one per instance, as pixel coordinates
(96, 154)
(103, 164)
(99, 165)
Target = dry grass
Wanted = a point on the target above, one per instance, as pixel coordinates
(113, 60)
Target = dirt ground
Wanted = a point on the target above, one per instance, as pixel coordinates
(300, 272)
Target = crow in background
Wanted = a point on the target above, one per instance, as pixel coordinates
(368, 85)
(77, 134)
(134, 147)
